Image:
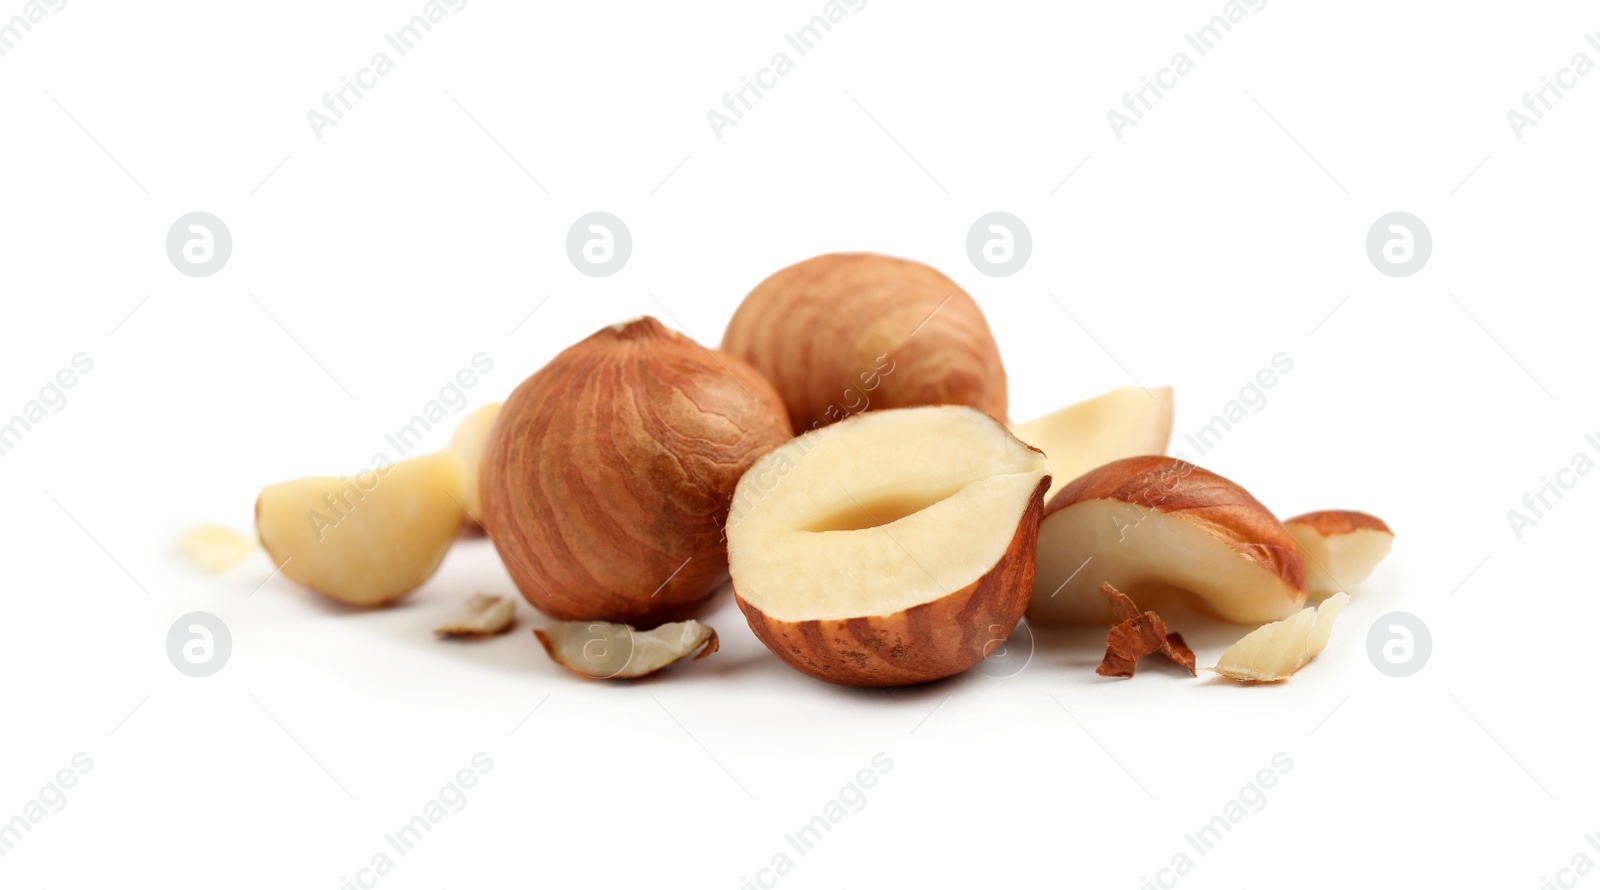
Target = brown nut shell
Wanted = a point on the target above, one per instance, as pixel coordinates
(608, 474)
(844, 333)
(926, 642)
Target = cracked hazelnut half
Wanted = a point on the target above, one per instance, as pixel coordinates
(891, 548)
(1159, 529)
(1341, 547)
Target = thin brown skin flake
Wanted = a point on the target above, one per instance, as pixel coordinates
(1137, 635)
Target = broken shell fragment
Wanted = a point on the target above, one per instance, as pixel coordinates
(1341, 547)
(604, 650)
(482, 615)
(1275, 651)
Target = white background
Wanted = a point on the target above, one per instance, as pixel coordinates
(1226, 227)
